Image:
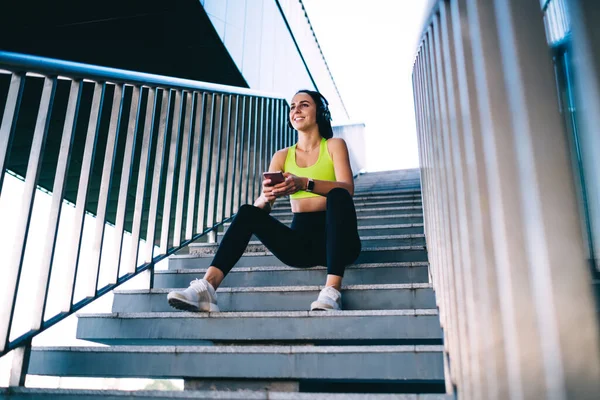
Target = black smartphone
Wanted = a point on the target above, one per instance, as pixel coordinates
(275, 177)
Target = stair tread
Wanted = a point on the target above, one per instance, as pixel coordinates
(17, 392)
(268, 253)
(377, 237)
(266, 314)
(308, 288)
(287, 268)
(248, 349)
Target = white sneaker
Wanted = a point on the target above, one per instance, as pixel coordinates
(200, 296)
(329, 299)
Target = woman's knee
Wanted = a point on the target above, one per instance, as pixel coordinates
(247, 211)
(338, 194)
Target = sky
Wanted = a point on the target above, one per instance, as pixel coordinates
(369, 47)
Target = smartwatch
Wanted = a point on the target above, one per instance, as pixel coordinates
(310, 186)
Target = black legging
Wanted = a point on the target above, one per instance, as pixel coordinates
(315, 238)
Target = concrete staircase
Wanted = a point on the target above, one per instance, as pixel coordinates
(264, 344)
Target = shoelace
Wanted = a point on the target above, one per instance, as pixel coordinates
(198, 282)
(331, 292)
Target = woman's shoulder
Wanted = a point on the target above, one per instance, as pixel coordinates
(281, 154)
(338, 144)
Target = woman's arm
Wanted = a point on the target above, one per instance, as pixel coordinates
(267, 198)
(343, 174)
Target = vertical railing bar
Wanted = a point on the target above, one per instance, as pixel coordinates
(434, 247)
(170, 182)
(105, 189)
(183, 168)
(126, 171)
(263, 143)
(141, 189)
(9, 120)
(284, 125)
(241, 168)
(234, 188)
(209, 160)
(272, 132)
(220, 193)
(442, 261)
(58, 192)
(257, 139)
(216, 178)
(252, 102)
(267, 137)
(207, 144)
(291, 134)
(12, 274)
(277, 125)
(196, 160)
(445, 189)
(278, 143)
(159, 158)
(89, 153)
(461, 260)
(227, 156)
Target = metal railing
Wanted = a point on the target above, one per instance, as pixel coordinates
(502, 222)
(167, 159)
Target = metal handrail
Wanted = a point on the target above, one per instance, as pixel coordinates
(197, 150)
(17, 62)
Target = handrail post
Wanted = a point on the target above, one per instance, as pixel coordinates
(20, 363)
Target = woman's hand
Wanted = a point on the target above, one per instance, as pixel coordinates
(266, 198)
(267, 192)
(291, 185)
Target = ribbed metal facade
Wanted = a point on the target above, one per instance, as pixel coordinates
(504, 218)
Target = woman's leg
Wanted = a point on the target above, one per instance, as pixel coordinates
(342, 247)
(343, 242)
(285, 243)
(281, 240)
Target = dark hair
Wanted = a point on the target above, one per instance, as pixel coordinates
(323, 114)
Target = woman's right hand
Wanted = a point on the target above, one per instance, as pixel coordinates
(267, 192)
(265, 199)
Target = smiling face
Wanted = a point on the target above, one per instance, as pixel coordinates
(303, 112)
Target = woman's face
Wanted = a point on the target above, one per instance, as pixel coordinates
(303, 111)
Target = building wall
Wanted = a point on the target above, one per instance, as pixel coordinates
(260, 43)
(354, 135)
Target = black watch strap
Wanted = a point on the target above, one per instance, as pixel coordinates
(310, 186)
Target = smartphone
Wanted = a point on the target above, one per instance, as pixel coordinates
(275, 177)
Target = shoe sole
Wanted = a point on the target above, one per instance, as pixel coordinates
(318, 306)
(185, 305)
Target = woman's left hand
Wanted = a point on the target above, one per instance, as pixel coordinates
(291, 185)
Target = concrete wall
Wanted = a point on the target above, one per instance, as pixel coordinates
(259, 41)
(354, 135)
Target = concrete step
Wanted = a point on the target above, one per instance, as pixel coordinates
(358, 274)
(366, 241)
(366, 212)
(282, 205)
(23, 393)
(287, 298)
(375, 220)
(421, 363)
(375, 230)
(380, 194)
(186, 328)
(252, 258)
(401, 190)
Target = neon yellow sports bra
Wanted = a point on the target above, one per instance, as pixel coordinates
(321, 170)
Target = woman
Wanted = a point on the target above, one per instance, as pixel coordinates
(318, 179)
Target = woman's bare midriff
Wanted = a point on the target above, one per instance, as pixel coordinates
(311, 204)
